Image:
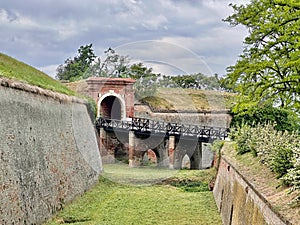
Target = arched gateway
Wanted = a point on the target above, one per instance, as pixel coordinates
(114, 97)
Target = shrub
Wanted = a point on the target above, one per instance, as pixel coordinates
(293, 174)
(281, 160)
(293, 178)
(279, 150)
(243, 136)
(282, 118)
(274, 148)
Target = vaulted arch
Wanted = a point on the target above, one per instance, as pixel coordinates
(112, 105)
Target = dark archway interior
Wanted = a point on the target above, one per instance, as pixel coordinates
(111, 108)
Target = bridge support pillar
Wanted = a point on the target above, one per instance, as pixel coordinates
(102, 140)
(196, 159)
(131, 144)
(103, 147)
(171, 152)
(107, 144)
(164, 154)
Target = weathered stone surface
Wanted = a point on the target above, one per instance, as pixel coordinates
(45, 157)
(239, 202)
(214, 118)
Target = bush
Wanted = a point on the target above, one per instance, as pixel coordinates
(282, 118)
(293, 178)
(281, 161)
(243, 136)
(274, 148)
(279, 150)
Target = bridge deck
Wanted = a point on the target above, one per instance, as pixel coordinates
(147, 126)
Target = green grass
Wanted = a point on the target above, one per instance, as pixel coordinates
(16, 70)
(114, 202)
(179, 99)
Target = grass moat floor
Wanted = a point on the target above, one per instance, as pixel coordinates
(145, 195)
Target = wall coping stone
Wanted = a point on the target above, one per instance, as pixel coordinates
(110, 81)
(5, 82)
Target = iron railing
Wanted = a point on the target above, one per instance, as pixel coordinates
(143, 125)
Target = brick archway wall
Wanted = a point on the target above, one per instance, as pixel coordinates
(100, 88)
(111, 105)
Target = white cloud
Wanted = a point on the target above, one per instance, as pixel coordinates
(186, 34)
(49, 70)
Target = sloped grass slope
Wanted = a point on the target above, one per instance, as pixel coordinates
(16, 70)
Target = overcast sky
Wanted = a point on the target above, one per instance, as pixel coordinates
(172, 36)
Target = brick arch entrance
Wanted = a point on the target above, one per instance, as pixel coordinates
(112, 106)
(114, 95)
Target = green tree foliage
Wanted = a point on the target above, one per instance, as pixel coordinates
(282, 118)
(111, 65)
(74, 69)
(192, 81)
(146, 80)
(269, 68)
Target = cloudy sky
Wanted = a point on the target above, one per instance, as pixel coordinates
(172, 36)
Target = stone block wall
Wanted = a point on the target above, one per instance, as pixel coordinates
(48, 152)
(216, 118)
(239, 202)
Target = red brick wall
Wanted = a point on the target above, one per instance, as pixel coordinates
(123, 87)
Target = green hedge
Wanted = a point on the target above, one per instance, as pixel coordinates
(282, 118)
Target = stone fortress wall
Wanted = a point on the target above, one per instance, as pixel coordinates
(48, 152)
(239, 202)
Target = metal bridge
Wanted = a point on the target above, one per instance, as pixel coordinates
(148, 127)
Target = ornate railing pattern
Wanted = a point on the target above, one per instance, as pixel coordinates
(147, 126)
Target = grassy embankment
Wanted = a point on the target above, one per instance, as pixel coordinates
(144, 196)
(178, 99)
(19, 71)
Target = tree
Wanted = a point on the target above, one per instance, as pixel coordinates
(74, 69)
(146, 80)
(112, 65)
(197, 81)
(269, 68)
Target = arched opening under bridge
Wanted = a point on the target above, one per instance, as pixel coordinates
(185, 162)
(150, 157)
